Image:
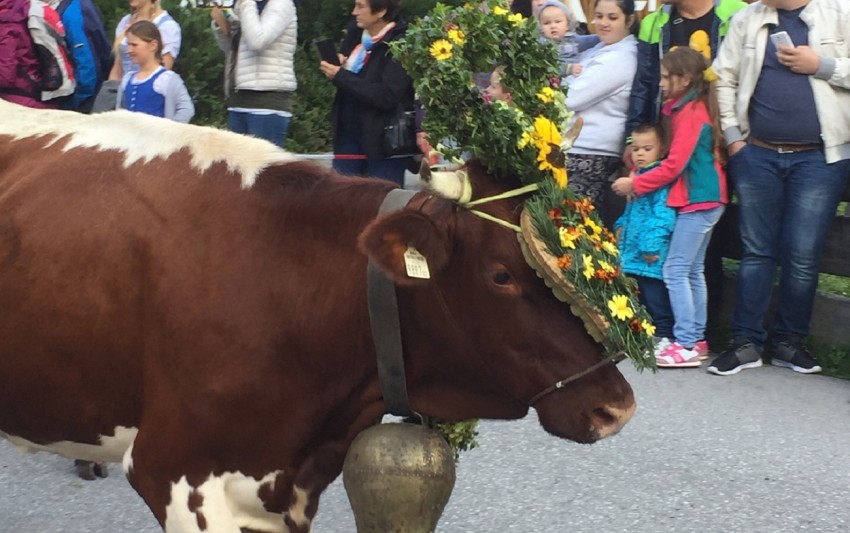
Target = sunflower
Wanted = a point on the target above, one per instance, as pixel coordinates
(441, 49)
(592, 228)
(546, 132)
(560, 176)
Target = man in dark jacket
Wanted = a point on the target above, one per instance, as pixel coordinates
(372, 87)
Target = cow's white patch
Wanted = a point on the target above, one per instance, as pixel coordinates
(110, 449)
(230, 502)
(143, 137)
(299, 509)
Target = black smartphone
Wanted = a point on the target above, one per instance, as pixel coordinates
(327, 51)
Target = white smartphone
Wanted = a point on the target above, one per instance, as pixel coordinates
(781, 38)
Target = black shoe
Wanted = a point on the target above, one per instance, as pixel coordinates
(741, 354)
(795, 356)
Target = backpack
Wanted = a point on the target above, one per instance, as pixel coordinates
(91, 49)
(98, 40)
(54, 57)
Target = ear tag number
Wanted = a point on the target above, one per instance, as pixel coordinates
(416, 264)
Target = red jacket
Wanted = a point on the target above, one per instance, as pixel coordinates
(696, 173)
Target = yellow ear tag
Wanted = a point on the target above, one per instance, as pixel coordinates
(416, 264)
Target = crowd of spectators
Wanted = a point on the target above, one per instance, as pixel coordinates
(782, 117)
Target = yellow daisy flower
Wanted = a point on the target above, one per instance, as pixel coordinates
(568, 237)
(441, 49)
(588, 266)
(499, 10)
(619, 306)
(457, 36)
(606, 266)
(546, 95)
(610, 247)
(648, 327)
(516, 18)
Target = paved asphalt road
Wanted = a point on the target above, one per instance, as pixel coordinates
(764, 451)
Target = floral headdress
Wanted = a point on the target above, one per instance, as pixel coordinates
(444, 54)
(561, 235)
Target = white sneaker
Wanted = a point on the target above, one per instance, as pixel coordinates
(661, 344)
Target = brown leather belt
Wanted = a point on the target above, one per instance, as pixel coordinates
(785, 148)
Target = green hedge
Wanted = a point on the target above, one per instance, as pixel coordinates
(201, 63)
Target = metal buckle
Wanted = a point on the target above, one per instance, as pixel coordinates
(782, 150)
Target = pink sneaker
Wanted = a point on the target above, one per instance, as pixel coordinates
(677, 356)
(702, 349)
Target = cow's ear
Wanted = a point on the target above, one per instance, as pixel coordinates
(407, 245)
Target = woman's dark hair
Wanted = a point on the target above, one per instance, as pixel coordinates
(628, 8)
(147, 31)
(392, 7)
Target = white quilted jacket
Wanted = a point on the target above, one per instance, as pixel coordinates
(267, 45)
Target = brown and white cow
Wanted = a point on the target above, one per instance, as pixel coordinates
(193, 302)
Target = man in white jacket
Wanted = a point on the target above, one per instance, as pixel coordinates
(785, 110)
(259, 43)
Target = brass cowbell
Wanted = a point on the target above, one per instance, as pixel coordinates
(398, 478)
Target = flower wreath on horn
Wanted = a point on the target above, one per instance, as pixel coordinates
(527, 138)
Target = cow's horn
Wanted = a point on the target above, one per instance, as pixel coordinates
(452, 185)
(571, 134)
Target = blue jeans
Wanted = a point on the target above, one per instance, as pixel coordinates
(787, 203)
(388, 169)
(270, 127)
(653, 295)
(684, 273)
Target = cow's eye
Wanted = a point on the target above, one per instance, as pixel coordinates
(501, 278)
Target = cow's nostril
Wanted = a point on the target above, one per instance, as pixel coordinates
(608, 420)
(604, 417)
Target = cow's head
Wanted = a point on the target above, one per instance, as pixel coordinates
(484, 335)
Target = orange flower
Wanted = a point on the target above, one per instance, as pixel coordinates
(635, 325)
(565, 262)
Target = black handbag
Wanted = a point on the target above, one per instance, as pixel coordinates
(400, 133)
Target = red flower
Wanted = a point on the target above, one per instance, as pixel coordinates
(635, 326)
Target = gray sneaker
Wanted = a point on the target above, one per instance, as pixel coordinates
(795, 356)
(741, 354)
